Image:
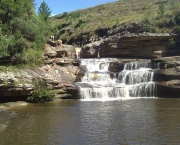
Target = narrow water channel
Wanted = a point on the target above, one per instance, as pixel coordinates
(132, 121)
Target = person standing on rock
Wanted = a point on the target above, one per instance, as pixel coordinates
(59, 42)
(54, 61)
(47, 68)
(57, 72)
(52, 37)
(79, 55)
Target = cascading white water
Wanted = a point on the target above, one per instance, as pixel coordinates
(136, 80)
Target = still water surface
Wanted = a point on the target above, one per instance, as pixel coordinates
(136, 121)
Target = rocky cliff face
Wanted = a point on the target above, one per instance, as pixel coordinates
(18, 84)
(130, 45)
(168, 76)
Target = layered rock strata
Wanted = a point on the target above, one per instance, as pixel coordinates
(130, 45)
(18, 84)
(168, 77)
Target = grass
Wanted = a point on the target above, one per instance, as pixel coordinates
(72, 26)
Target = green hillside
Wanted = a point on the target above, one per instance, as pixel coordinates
(149, 15)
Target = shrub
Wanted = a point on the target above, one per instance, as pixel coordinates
(65, 14)
(145, 7)
(161, 9)
(117, 21)
(145, 25)
(177, 17)
(41, 94)
(171, 41)
(32, 57)
(172, 22)
(80, 22)
(162, 23)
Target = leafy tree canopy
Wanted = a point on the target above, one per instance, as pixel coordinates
(21, 29)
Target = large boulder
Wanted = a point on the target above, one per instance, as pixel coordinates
(59, 51)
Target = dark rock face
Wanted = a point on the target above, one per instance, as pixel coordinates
(169, 89)
(118, 66)
(129, 45)
(168, 77)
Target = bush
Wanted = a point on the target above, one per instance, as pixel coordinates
(145, 25)
(6, 44)
(145, 7)
(41, 94)
(162, 23)
(177, 17)
(161, 9)
(32, 57)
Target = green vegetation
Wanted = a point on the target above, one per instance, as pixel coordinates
(22, 31)
(23, 34)
(44, 11)
(156, 16)
(41, 94)
(161, 9)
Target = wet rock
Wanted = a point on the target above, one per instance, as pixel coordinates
(15, 104)
(116, 67)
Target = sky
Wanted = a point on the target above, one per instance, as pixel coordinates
(60, 6)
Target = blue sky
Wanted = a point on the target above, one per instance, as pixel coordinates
(60, 6)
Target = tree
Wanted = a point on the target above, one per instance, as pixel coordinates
(21, 30)
(44, 11)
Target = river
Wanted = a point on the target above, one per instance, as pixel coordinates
(74, 122)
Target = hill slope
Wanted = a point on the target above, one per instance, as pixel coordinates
(137, 16)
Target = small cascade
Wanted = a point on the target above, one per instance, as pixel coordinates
(136, 80)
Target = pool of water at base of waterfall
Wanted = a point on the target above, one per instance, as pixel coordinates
(74, 122)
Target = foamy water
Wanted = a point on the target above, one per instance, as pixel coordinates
(135, 81)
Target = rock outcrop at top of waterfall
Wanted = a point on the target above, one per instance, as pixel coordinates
(131, 45)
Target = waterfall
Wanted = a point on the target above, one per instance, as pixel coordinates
(135, 81)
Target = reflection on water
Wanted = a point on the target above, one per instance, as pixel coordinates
(138, 121)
